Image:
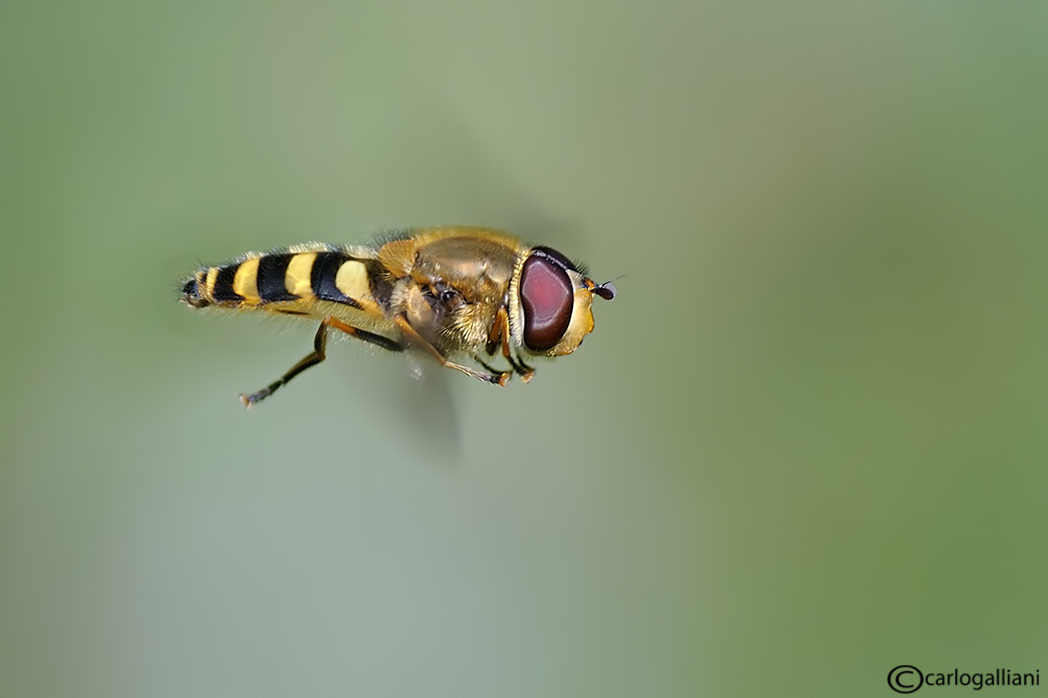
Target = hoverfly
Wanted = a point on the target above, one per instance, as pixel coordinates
(446, 292)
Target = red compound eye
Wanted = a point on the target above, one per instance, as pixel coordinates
(548, 297)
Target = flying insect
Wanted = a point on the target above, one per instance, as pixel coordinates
(447, 292)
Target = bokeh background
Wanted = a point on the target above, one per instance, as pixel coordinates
(806, 443)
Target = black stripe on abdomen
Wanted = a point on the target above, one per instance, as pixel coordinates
(272, 268)
(223, 288)
(322, 278)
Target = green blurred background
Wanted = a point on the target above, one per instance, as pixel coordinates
(804, 445)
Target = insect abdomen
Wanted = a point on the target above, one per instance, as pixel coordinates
(285, 279)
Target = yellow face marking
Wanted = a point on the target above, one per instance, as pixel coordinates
(352, 280)
(296, 280)
(209, 286)
(245, 281)
(580, 326)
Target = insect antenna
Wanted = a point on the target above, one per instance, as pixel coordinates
(606, 290)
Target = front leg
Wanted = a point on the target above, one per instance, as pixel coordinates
(499, 334)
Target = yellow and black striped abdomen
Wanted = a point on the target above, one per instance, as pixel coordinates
(297, 281)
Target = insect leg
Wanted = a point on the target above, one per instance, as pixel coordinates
(377, 339)
(485, 364)
(318, 355)
(526, 372)
(412, 336)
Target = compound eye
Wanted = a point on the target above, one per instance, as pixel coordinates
(548, 297)
(561, 259)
